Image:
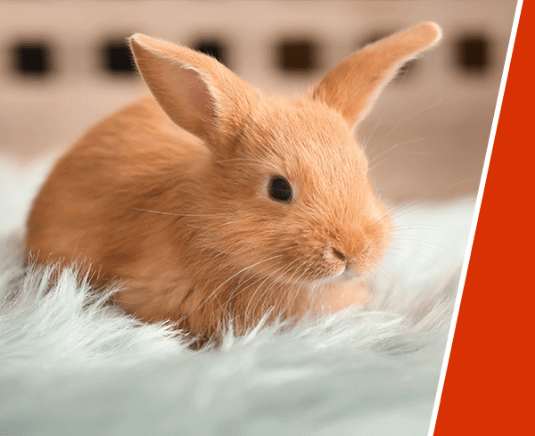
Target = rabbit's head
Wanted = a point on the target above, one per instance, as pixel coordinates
(284, 191)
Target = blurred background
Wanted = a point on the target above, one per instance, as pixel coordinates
(65, 64)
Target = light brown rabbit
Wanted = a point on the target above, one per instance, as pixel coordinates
(212, 203)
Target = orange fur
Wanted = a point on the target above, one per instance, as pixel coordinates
(169, 195)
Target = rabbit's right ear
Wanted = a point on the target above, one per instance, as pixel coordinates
(197, 92)
(351, 87)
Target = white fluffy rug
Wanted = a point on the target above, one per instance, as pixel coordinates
(71, 366)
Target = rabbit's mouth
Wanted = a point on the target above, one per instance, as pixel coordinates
(342, 274)
(349, 274)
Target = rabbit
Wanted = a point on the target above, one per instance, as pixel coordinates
(215, 206)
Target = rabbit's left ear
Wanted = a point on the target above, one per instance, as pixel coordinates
(197, 92)
(352, 86)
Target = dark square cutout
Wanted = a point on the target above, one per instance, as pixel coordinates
(473, 53)
(32, 59)
(297, 55)
(117, 58)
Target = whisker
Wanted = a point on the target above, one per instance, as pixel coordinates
(393, 147)
(296, 294)
(410, 118)
(179, 214)
(257, 289)
(405, 153)
(400, 244)
(234, 293)
(402, 256)
(235, 275)
(410, 207)
(291, 279)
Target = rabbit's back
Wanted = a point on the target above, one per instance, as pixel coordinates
(93, 207)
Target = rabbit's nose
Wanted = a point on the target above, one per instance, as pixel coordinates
(339, 255)
(352, 252)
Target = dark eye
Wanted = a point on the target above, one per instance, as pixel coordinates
(280, 189)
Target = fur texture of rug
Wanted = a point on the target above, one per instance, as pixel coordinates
(70, 364)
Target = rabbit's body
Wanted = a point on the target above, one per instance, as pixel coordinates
(252, 206)
(105, 179)
(100, 191)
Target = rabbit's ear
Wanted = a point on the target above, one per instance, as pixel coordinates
(352, 86)
(197, 92)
